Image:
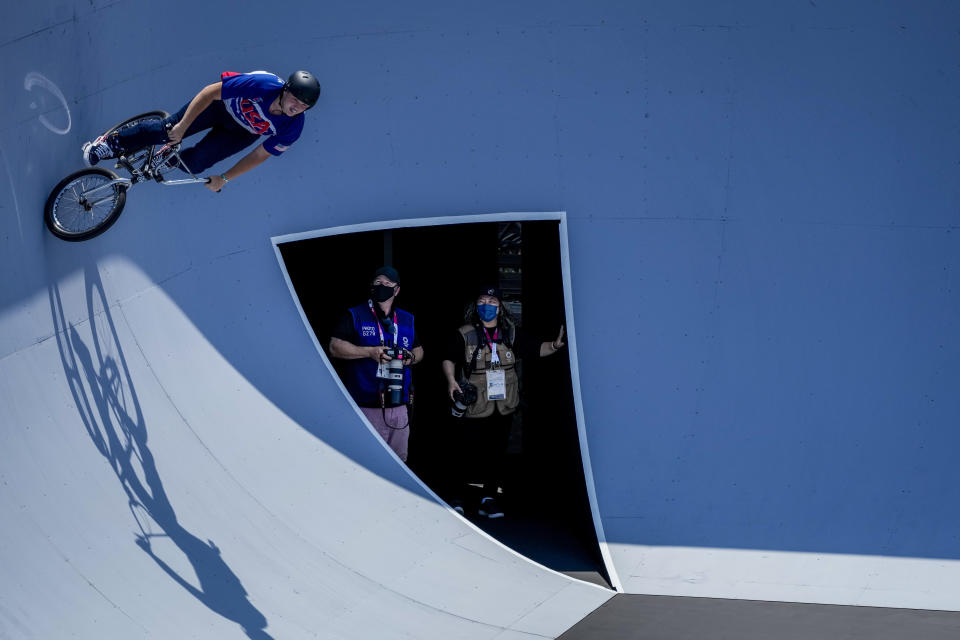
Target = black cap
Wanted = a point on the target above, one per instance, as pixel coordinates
(390, 272)
(491, 291)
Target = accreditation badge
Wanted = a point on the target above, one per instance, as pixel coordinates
(496, 384)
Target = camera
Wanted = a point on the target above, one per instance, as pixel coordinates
(394, 378)
(463, 400)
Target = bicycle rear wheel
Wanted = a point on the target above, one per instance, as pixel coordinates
(84, 204)
(149, 115)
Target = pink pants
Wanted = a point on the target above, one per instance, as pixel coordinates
(395, 438)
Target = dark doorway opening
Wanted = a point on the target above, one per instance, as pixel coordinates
(548, 516)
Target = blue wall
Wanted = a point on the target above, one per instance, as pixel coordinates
(763, 203)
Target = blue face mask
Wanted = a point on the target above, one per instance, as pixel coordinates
(487, 312)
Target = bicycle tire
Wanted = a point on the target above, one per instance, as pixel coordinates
(149, 114)
(159, 114)
(66, 211)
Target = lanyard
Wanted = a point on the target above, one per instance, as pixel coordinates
(494, 357)
(396, 333)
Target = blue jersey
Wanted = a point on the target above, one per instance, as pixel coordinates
(248, 96)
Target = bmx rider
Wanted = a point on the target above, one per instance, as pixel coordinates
(238, 110)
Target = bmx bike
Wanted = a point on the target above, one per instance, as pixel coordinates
(87, 202)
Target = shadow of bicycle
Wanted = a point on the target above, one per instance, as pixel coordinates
(106, 399)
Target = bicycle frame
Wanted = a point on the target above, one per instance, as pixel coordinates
(147, 172)
(191, 180)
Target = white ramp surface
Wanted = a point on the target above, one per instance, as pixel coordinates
(149, 489)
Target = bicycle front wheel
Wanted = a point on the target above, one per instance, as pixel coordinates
(84, 204)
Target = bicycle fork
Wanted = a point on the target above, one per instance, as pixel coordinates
(126, 182)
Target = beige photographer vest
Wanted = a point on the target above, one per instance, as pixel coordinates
(484, 407)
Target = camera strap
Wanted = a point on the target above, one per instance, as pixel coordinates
(492, 342)
(383, 342)
(376, 318)
(395, 330)
(383, 413)
(476, 352)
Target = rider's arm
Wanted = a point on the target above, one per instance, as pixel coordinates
(200, 102)
(247, 162)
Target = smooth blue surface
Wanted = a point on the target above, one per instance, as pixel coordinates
(763, 203)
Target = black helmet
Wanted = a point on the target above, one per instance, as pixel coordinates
(304, 87)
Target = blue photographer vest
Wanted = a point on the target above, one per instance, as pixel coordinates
(361, 378)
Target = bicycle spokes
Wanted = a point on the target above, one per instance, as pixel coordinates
(85, 202)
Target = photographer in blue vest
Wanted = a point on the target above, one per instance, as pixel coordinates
(480, 365)
(380, 345)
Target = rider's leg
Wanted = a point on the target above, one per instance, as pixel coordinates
(219, 143)
(151, 131)
(154, 130)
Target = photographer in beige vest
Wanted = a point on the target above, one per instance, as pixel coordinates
(480, 366)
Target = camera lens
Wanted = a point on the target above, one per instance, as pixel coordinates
(463, 399)
(394, 378)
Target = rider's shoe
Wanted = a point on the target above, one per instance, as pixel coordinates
(99, 149)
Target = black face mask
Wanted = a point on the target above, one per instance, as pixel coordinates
(381, 292)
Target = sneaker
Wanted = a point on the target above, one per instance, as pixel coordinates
(99, 149)
(489, 508)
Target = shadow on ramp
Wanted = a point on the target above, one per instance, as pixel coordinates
(106, 400)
